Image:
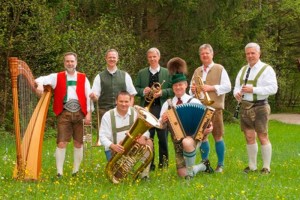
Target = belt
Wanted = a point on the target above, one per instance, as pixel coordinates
(259, 102)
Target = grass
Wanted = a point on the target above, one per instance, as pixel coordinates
(282, 183)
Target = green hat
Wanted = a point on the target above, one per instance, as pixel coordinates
(178, 78)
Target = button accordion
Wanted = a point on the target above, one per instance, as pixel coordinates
(189, 119)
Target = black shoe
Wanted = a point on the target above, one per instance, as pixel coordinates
(74, 174)
(248, 170)
(152, 167)
(208, 169)
(145, 179)
(188, 177)
(59, 176)
(265, 171)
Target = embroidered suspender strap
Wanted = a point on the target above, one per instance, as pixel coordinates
(124, 128)
(254, 81)
(242, 75)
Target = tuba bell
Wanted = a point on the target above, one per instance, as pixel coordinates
(136, 157)
(206, 99)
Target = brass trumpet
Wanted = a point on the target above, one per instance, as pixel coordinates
(156, 87)
(87, 138)
(199, 83)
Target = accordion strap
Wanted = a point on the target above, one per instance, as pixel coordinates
(174, 123)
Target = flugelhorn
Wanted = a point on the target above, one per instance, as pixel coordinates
(136, 157)
(156, 87)
(206, 99)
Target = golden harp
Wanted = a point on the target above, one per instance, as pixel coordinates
(28, 140)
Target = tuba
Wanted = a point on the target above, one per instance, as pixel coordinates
(156, 87)
(136, 157)
(199, 83)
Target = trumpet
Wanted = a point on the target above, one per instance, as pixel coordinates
(199, 83)
(156, 87)
(87, 137)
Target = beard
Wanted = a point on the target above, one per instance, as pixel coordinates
(70, 70)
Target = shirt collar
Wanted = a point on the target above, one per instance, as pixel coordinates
(113, 70)
(209, 66)
(257, 65)
(118, 115)
(154, 71)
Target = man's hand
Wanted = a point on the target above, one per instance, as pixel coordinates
(88, 118)
(117, 148)
(40, 89)
(238, 96)
(193, 88)
(208, 129)
(164, 117)
(146, 90)
(93, 96)
(247, 89)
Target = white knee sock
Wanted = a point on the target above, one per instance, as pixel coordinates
(189, 158)
(78, 155)
(266, 152)
(252, 150)
(197, 168)
(60, 155)
(146, 171)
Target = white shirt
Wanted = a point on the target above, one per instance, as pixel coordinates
(71, 91)
(185, 98)
(105, 130)
(266, 83)
(129, 84)
(154, 71)
(225, 84)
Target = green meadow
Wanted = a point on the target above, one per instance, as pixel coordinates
(282, 183)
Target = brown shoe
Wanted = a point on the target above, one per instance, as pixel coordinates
(265, 171)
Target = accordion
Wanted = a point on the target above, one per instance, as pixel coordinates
(189, 119)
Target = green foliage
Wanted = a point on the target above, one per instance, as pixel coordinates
(39, 32)
(91, 183)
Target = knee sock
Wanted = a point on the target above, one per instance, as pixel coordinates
(60, 155)
(252, 150)
(78, 155)
(266, 151)
(220, 150)
(204, 150)
(146, 171)
(189, 161)
(197, 168)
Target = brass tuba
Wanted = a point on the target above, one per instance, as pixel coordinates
(156, 87)
(199, 83)
(136, 157)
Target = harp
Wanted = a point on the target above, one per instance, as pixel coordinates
(189, 119)
(29, 128)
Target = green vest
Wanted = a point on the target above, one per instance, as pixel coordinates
(111, 84)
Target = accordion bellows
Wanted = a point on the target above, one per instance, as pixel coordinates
(189, 119)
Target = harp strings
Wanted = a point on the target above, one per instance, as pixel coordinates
(27, 100)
